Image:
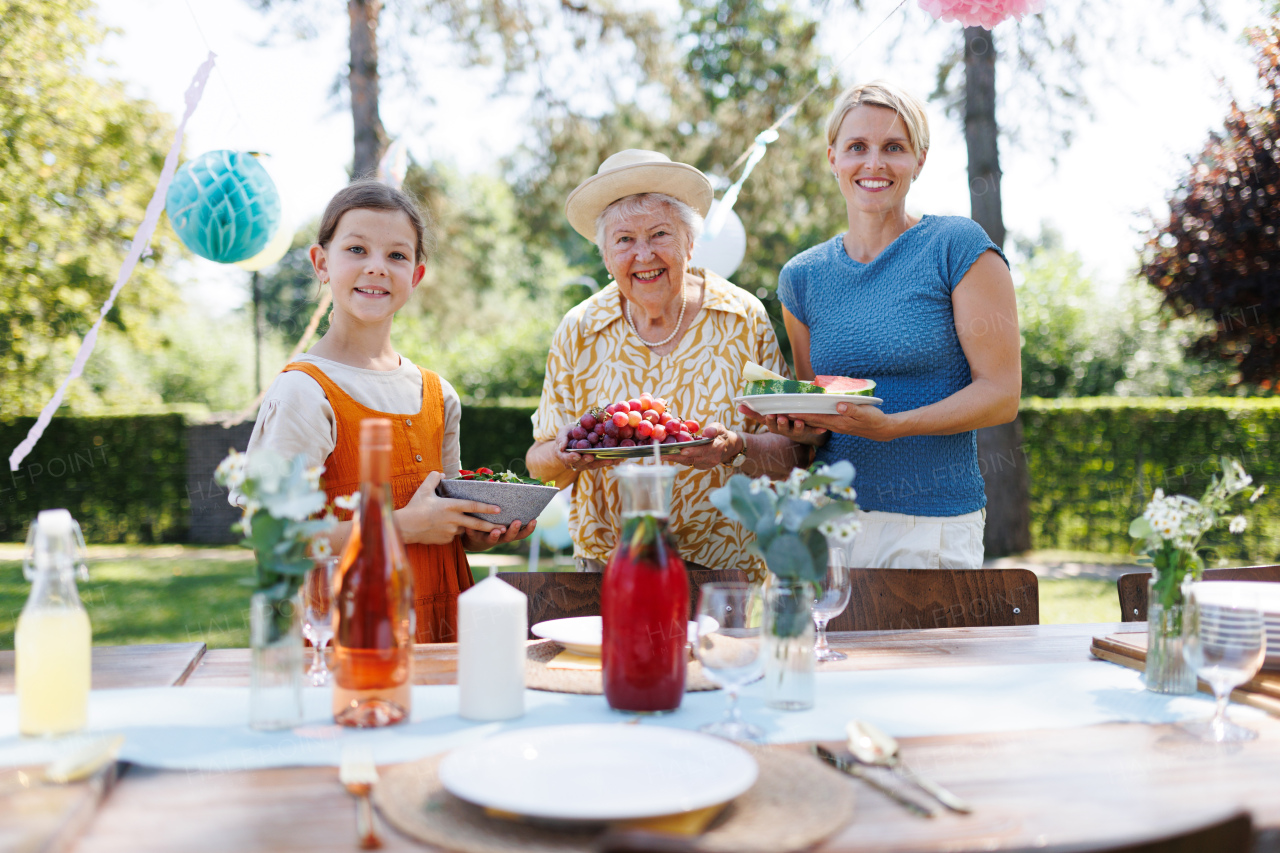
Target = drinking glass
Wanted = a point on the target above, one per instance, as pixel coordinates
(1224, 641)
(830, 602)
(317, 616)
(730, 623)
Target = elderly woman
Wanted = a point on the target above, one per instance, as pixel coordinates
(677, 332)
(925, 307)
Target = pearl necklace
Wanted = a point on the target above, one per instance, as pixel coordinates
(684, 299)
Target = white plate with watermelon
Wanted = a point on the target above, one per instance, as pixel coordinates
(770, 394)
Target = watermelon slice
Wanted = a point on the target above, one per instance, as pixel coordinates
(845, 385)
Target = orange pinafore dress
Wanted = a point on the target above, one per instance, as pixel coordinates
(440, 572)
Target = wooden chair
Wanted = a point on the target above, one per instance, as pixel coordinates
(886, 599)
(1133, 587)
(558, 595)
(1233, 835)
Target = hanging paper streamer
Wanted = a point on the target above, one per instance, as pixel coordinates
(224, 206)
(980, 13)
(723, 251)
(141, 241)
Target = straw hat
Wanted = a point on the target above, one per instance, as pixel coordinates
(627, 173)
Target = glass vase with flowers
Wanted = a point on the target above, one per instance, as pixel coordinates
(1170, 529)
(284, 517)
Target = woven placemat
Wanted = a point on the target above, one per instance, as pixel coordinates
(796, 802)
(537, 676)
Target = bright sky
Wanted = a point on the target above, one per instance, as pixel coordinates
(1126, 156)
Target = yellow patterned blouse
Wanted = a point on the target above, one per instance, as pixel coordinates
(596, 359)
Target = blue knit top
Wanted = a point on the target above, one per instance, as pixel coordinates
(891, 321)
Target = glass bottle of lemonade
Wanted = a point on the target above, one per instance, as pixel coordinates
(645, 599)
(53, 639)
(373, 599)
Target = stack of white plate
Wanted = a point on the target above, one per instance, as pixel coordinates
(1267, 598)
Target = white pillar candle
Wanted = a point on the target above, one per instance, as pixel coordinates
(493, 624)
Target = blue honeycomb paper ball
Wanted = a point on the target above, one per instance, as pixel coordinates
(223, 206)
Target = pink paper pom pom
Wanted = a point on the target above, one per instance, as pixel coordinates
(980, 13)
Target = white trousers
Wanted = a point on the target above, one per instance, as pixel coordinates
(894, 540)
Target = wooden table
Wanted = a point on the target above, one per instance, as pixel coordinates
(1029, 789)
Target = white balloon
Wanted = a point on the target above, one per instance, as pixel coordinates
(722, 252)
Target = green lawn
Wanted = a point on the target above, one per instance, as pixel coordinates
(169, 599)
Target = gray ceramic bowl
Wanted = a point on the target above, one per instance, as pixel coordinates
(518, 501)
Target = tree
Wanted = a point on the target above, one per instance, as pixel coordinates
(1077, 342)
(79, 161)
(1217, 255)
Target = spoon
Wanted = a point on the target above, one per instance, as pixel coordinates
(870, 745)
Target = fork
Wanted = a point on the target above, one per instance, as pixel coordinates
(358, 774)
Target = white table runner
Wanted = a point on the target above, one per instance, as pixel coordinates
(203, 729)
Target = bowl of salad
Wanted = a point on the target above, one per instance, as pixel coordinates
(521, 498)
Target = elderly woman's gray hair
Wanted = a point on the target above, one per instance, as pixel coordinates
(631, 205)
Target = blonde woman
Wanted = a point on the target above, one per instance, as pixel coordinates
(923, 305)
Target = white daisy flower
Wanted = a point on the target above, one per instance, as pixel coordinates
(351, 501)
(321, 549)
(1238, 524)
(1262, 490)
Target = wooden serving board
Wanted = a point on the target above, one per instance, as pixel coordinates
(1130, 649)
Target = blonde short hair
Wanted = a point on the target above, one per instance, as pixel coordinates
(881, 93)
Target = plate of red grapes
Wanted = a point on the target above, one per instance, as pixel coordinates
(629, 429)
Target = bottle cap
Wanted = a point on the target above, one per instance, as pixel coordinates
(54, 522)
(375, 433)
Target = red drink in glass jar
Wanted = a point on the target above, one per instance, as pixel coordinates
(645, 600)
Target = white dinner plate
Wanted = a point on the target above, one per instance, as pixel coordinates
(803, 404)
(583, 635)
(598, 772)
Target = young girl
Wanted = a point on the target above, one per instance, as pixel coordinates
(371, 252)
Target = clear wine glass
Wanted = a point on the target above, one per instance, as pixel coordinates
(317, 617)
(830, 602)
(730, 623)
(1224, 640)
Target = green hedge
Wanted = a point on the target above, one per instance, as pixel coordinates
(1093, 464)
(123, 478)
(1095, 461)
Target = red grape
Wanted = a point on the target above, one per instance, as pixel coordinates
(599, 429)
(626, 442)
(684, 436)
(646, 402)
(626, 432)
(609, 410)
(651, 416)
(634, 405)
(665, 418)
(691, 426)
(634, 418)
(659, 432)
(671, 439)
(620, 419)
(610, 428)
(582, 445)
(609, 441)
(658, 406)
(644, 429)
(588, 422)
(593, 438)
(578, 433)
